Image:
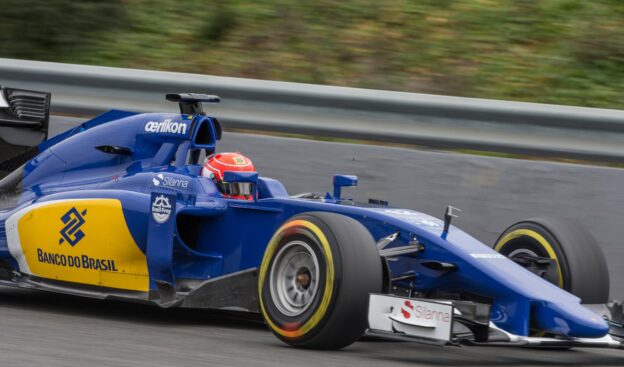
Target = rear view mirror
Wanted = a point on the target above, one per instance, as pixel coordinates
(341, 181)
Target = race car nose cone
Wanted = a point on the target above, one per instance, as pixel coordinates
(569, 320)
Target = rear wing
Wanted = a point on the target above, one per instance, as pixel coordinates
(24, 119)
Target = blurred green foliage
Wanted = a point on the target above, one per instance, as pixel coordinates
(551, 51)
(54, 29)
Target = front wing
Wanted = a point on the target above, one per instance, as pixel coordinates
(448, 322)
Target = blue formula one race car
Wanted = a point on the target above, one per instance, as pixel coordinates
(124, 207)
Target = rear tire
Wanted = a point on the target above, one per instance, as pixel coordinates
(580, 266)
(315, 278)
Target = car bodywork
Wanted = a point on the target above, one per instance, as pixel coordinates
(116, 208)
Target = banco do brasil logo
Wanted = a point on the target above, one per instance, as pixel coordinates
(73, 221)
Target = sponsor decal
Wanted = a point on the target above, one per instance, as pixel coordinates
(167, 126)
(73, 221)
(421, 312)
(72, 233)
(161, 209)
(168, 181)
(413, 317)
(83, 241)
(78, 262)
(488, 256)
(415, 218)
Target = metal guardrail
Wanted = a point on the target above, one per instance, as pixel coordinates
(407, 118)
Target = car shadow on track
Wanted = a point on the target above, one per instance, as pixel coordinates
(480, 357)
(493, 356)
(124, 311)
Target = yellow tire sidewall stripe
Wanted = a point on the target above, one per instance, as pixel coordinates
(318, 315)
(537, 237)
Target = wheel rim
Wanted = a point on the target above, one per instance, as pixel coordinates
(537, 263)
(530, 243)
(294, 278)
(521, 251)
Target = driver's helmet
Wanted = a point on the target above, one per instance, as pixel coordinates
(216, 164)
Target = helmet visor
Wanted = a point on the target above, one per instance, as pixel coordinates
(237, 188)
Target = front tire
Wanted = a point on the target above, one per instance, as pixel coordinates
(578, 264)
(315, 278)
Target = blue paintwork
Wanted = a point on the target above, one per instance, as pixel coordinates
(341, 181)
(234, 176)
(233, 233)
(159, 247)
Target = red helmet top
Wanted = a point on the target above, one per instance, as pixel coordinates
(216, 164)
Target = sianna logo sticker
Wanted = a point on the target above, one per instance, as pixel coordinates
(168, 181)
(161, 208)
(73, 221)
(422, 312)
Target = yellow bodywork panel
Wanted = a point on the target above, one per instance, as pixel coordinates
(84, 241)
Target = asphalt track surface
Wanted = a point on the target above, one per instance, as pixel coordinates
(44, 329)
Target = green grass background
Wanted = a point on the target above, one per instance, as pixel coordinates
(550, 51)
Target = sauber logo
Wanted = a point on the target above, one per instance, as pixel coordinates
(421, 312)
(73, 221)
(167, 126)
